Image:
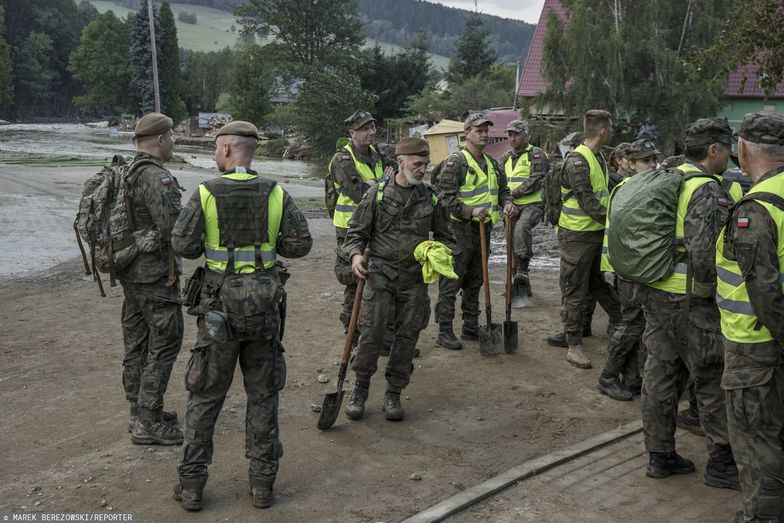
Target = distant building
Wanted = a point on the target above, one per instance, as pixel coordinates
(444, 138)
(284, 93)
(737, 103)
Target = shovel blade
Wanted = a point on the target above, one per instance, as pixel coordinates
(330, 409)
(519, 295)
(510, 337)
(491, 341)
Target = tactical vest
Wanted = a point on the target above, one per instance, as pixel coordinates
(572, 216)
(738, 321)
(606, 266)
(242, 215)
(383, 184)
(480, 188)
(345, 206)
(519, 173)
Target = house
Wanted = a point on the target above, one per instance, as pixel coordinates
(444, 138)
(739, 102)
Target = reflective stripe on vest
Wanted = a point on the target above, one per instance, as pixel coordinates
(572, 216)
(345, 206)
(519, 173)
(481, 189)
(738, 321)
(244, 256)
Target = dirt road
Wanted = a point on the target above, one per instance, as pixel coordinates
(64, 417)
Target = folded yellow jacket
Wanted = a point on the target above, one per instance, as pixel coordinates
(436, 258)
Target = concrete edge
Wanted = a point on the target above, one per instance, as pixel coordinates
(477, 493)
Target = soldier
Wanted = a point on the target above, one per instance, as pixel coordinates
(623, 351)
(240, 221)
(393, 218)
(151, 315)
(585, 194)
(749, 293)
(525, 167)
(682, 333)
(474, 189)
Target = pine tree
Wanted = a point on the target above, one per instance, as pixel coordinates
(140, 58)
(169, 66)
(474, 55)
(6, 79)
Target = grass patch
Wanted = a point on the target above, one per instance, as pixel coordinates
(309, 203)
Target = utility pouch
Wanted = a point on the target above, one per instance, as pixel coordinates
(218, 326)
(192, 290)
(251, 301)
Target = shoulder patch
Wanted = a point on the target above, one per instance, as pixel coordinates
(166, 180)
(345, 156)
(537, 156)
(743, 223)
(450, 163)
(578, 163)
(724, 202)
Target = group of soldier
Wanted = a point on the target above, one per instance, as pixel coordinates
(714, 325)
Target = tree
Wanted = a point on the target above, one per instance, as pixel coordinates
(37, 76)
(140, 58)
(100, 63)
(169, 66)
(206, 77)
(474, 54)
(6, 78)
(251, 81)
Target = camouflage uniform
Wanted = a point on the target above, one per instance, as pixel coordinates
(392, 228)
(211, 366)
(754, 372)
(625, 348)
(151, 314)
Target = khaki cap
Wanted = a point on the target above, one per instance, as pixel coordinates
(709, 130)
(475, 120)
(763, 127)
(153, 124)
(358, 119)
(641, 149)
(413, 146)
(238, 128)
(517, 126)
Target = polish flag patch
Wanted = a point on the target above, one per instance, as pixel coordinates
(345, 157)
(724, 202)
(537, 156)
(450, 163)
(165, 180)
(578, 163)
(743, 223)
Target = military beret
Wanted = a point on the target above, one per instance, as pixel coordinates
(708, 130)
(153, 124)
(763, 127)
(641, 149)
(238, 128)
(671, 162)
(358, 119)
(475, 120)
(413, 146)
(517, 126)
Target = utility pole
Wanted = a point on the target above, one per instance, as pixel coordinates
(154, 48)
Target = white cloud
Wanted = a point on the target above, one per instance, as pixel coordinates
(526, 10)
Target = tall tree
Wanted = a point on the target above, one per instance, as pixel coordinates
(37, 75)
(140, 58)
(251, 81)
(169, 65)
(474, 55)
(6, 79)
(100, 63)
(206, 76)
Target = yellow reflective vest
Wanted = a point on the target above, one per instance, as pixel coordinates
(345, 206)
(520, 172)
(480, 188)
(572, 216)
(244, 255)
(738, 321)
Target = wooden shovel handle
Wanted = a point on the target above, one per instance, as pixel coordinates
(352, 324)
(485, 276)
(509, 264)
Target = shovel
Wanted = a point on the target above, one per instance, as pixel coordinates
(519, 291)
(332, 401)
(510, 327)
(490, 342)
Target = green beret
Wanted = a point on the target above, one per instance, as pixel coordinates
(238, 128)
(413, 146)
(517, 126)
(358, 119)
(708, 130)
(153, 124)
(475, 120)
(641, 149)
(763, 127)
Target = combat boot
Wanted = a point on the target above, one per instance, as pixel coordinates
(634, 385)
(663, 464)
(189, 498)
(611, 386)
(155, 432)
(470, 332)
(168, 417)
(722, 472)
(446, 338)
(355, 408)
(392, 409)
(576, 357)
(558, 340)
(262, 496)
(134, 416)
(689, 419)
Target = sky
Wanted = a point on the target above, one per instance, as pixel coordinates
(526, 10)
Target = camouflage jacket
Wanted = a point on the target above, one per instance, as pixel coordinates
(540, 164)
(576, 175)
(345, 173)
(294, 240)
(453, 176)
(156, 201)
(393, 227)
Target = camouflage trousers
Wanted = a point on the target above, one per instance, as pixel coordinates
(409, 305)
(529, 217)
(468, 267)
(580, 277)
(152, 334)
(623, 351)
(754, 383)
(208, 379)
(681, 342)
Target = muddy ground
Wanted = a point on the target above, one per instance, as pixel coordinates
(64, 417)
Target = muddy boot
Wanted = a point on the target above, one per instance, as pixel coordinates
(470, 332)
(611, 386)
(149, 432)
(169, 417)
(190, 498)
(392, 409)
(634, 385)
(663, 464)
(558, 340)
(262, 496)
(689, 419)
(446, 338)
(133, 418)
(722, 472)
(576, 357)
(355, 408)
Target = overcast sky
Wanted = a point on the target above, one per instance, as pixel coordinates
(526, 10)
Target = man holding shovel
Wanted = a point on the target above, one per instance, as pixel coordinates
(393, 218)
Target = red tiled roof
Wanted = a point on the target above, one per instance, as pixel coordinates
(500, 119)
(532, 81)
(497, 149)
(751, 89)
